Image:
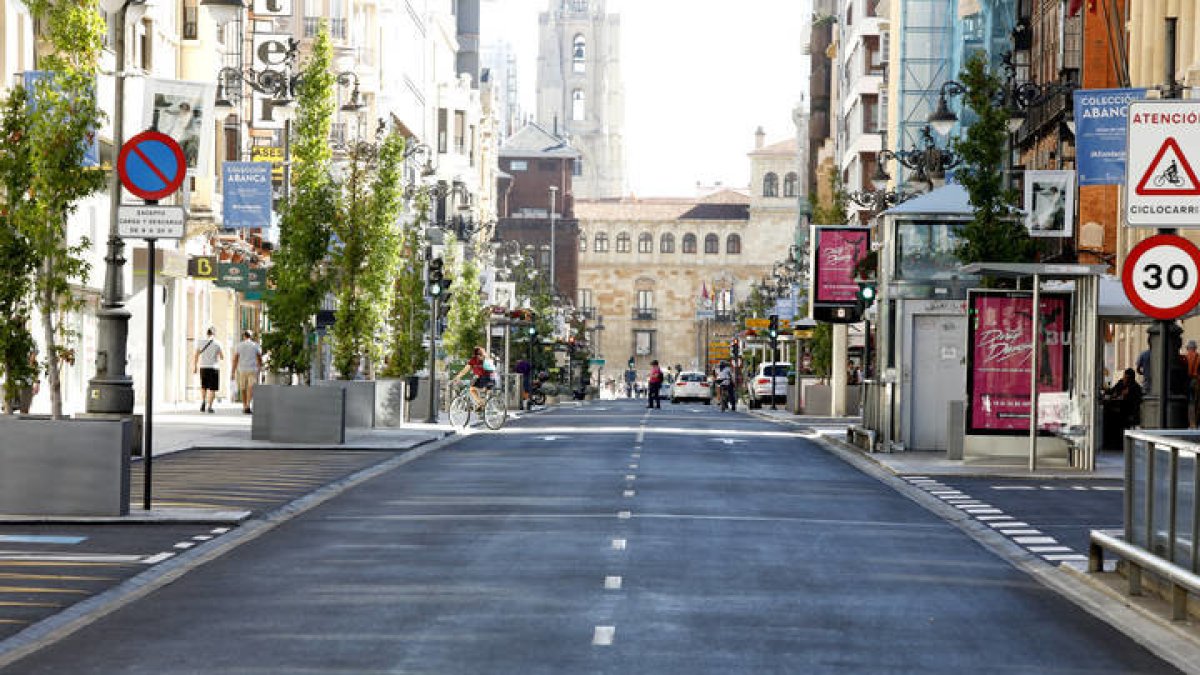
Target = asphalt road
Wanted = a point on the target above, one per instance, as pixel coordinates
(607, 539)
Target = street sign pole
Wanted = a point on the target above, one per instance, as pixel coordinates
(148, 445)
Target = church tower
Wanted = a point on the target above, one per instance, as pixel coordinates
(580, 93)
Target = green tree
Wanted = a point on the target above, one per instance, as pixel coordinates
(822, 349)
(466, 322)
(409, 309)
(62, 120)
(17, 259)
(833, 211)
(364, 260)
(298, 277)
(995, 233)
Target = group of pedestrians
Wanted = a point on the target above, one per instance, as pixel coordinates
(247, 364)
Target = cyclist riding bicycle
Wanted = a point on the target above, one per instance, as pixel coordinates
(483, 369)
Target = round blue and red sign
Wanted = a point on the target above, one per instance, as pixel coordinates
(151, 165)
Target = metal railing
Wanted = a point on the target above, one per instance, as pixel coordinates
(645, 313)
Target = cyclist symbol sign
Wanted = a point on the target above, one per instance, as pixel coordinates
(1162, 188)
(1161, 276)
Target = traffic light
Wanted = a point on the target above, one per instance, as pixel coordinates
(865, 295)
(773, 327)
(435, 277)
(631, 362)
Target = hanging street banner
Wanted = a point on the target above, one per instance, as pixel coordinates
(184, 111)
(838, 252)
(247, 194)
(1000, 356)
(1100, 127)
(1161, 187)
(242, 277)
(30, 80)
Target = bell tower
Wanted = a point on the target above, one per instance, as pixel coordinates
(580, 92)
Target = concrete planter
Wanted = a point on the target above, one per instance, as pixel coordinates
(286, 414)
(360, 401)
(64, 467)
(391, 408)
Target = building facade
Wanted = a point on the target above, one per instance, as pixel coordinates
(580, 93)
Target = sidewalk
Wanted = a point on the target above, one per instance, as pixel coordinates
(1109, 465)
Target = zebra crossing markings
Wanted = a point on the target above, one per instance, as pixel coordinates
(1022, 533)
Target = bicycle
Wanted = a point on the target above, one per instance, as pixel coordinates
(493, 409)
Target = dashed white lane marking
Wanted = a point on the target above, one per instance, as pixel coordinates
(1050, 549)
(633, 466)
(630, 493)
(624, 515)
(1035, 540)
(155, 559)
(1008, 523)
(1063, 557)
(630, 476)
(202, 537)
(636, 455)
(612, 583)
(987, 518)
(983, 511)
(603, 636)
(1013, 533)
(185, 544)
(221, 530)
(619, 544)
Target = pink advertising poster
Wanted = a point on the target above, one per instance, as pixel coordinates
(1000, 352)
(839, 249)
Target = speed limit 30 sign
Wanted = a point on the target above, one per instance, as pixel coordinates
(1161, 276)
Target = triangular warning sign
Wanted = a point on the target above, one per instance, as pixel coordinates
(1169, 174)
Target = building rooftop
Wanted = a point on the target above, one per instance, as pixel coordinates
(723, 205)
(788, 148)
(533, 141)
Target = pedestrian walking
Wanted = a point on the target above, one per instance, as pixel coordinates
(630, 382)
(247, 361)
(654, 383)
(725, 382)
(206, 362)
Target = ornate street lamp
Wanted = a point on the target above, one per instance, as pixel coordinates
(928, 163)
(1015, 97)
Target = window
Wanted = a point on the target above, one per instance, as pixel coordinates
(582, 242)
(518, 165)
(191, 18)
(712, 244)
(733, 245)
(645, 299)
(689, 243)
(544, 257)
(623, 242)
(578, 107)
(585, 297)
(577, 166)
(667, 243)
(443, 124)
(460, 130)
(926, 250)
(645, 243)
(579, 54)
(770, 185)
(789, 184)
(601, 245)
(643, 342)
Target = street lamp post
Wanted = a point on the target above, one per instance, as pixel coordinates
(553, 277)
(111, 389)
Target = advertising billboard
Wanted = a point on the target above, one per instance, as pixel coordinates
(1000, 357)
(838, 252)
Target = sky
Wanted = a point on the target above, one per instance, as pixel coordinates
(700, 76)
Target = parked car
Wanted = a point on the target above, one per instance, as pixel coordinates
(692, 386)
(759, 386)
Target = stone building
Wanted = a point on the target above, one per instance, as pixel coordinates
(646, 266)
(580, 92)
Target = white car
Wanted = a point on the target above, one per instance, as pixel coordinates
(692, 386)
(760, 387)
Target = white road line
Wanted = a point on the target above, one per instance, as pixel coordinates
(630, 476)
(619, 544)
(155, 559)
(629, 493)
(947, 493)
(636, 455)
(221, 530)
(641, 435)
(1013, 533)
(633, 466)
(1109, 488)
(612, 583)
(984, 511)
(202, 537)
(604, 635)
(987, 518)
(624, 515)
(1035, 540)
(185, 544)
(1050, 549)
(10, 556)
(1013, 487)
(1015, 523)
(977, 506)
(1062, 557)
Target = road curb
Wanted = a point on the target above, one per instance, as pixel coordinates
(82, 614)
(1154, 633)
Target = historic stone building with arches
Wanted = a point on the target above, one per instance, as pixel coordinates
(647, 265)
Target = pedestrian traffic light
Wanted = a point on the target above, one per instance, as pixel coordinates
(866, 294)
(631, 362)
(435, 277)
(773, 327)
(532, 332)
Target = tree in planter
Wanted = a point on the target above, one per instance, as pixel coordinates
(995, 233)
(466, 320)
(364, 260)
(297, 273)
(409, 310)
(17, 260)
(62, 118)
(822, 350)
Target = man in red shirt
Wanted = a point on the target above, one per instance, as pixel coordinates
(655, 381)
(481, 367)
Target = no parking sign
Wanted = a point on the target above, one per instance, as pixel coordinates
(151, 165)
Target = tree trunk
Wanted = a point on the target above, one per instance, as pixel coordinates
(48, 307)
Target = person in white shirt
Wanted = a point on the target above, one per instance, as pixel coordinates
(247, 361)
(207, 363)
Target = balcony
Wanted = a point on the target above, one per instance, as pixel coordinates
(645, 314)
(588, 313)
(723, 316)
(337, 27)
